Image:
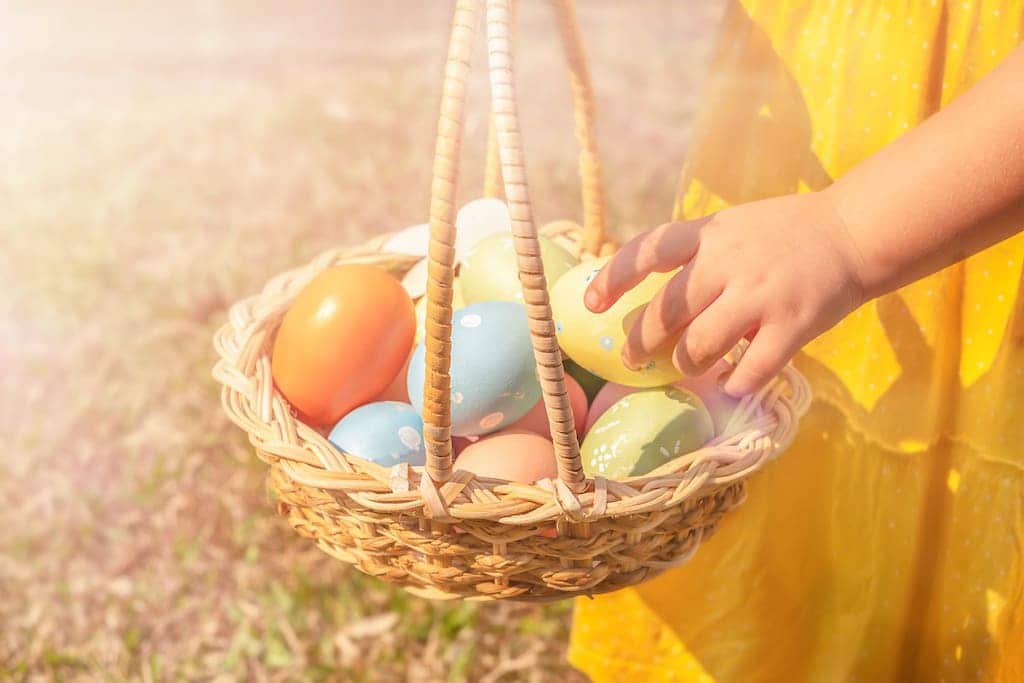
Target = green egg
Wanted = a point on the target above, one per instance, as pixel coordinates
(643, 431)
(489, 271)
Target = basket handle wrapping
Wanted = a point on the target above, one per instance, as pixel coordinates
(591, 182)
(524, 231)
(437, 421)
(441, 254)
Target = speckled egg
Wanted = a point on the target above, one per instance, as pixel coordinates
(489, 271)
(385, 432)
(421, 309)
(608, 396)
(595, 340)
(512, 454)
(643, 431)
(493, 374)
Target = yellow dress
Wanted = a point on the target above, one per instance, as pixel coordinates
(888, 543)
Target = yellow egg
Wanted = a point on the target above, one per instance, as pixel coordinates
(594, 340)
(512, 454)
(421, 310)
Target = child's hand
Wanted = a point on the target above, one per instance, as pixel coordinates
(779, 271)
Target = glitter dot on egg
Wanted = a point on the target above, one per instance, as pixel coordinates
(457, 397)
(471, 320)
(409, 437)
(558, 326)
(592, 274)
(607, 343)
(491, 421)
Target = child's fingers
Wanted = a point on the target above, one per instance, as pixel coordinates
(712, 334)
(662, 249)
(677, 303)
(770, 350)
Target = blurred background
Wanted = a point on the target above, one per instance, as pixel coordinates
(158, 161)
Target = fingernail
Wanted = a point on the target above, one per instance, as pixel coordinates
(592, 300)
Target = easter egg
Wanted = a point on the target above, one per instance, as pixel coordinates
(493, 374)
(345, 337)
(537, 419)
(412, 241)
(608, 396)
(643, 431)
(595, 340)
(477, 220)
(719, 404)
(512, 454)
(489, 271)
(590, 382)
(421, 309)
(385, 432)
(398, 390)
(460, 443)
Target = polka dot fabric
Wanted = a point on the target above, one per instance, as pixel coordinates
(887, 544)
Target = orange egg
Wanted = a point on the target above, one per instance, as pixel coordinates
(537, 419)
(511, 454)
(398, 390)
(343, 341)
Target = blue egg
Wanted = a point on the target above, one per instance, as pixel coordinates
(386, 432)
(494, 377)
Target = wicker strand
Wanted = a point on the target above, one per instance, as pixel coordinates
(440, 270)
(531, 268)
(592, 185)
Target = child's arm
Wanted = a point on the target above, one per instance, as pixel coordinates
(784, 270)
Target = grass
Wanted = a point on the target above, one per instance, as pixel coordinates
(159, 162)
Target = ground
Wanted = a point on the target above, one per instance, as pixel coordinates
(161, 160)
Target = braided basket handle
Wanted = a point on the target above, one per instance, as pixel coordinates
(440, 272)
(437, 422)
(591, 182)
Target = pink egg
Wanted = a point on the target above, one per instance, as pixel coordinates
(460, 443)
(609, 394)
(537, 419)
(398, 389)
(718, 403)
(512, 454)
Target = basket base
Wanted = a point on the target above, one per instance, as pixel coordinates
(470, 561)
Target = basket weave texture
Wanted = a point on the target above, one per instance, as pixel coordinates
(445, 533)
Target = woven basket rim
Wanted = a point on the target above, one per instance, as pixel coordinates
(766, 425)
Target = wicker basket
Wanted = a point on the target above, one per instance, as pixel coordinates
(447, 534)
